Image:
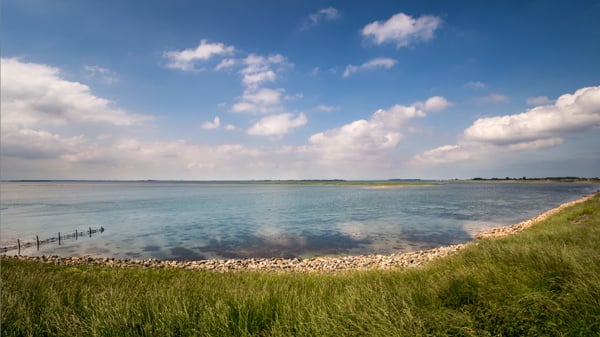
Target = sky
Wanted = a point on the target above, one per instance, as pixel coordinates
(299, 89)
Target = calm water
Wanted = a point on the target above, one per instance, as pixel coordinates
(201, 220)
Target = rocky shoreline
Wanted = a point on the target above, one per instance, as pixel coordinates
(317, 264)
(320, 264)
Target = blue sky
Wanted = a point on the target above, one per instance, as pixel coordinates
(299, 89)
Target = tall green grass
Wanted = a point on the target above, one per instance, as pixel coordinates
(544, 281)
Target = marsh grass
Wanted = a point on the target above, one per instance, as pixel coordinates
(544, 281)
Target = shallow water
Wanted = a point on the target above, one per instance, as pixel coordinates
(211, 220)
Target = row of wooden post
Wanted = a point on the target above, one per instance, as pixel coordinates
(37, 239)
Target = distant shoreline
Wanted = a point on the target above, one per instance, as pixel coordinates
(329, 182)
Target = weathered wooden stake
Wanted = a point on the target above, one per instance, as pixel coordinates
(37, 242)
(90, 232)
(75, 234)
(18, 247)
(59, 238)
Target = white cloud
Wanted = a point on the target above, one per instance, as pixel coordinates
(402, 29)
(259, 69)
(185, 59)
(43, 116)
(433, 104)
(57, 129)
(370, 139)
(493, 98)
(226, 63)
(365, 139)
(444, 154)
(571, 113)
(35, 94)
(259, 101)
(212, 125)
(380, 62)
(230, 127)
(38, 144)
(540, 127)
(539, 100)
(277, 125)
(325, 14)
(256, 79)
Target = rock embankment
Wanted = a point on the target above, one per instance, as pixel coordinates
(317, 264)
(508, 230)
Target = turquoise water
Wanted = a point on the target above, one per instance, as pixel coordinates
(212, 220)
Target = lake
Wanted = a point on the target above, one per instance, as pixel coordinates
(198, 220)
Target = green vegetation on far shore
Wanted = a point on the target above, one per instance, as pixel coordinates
(547, 179)
(544, 281)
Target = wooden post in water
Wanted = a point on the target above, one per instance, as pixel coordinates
(90, 232)
(75, 235)
(59, 238)
(37, 242)
(18, 247)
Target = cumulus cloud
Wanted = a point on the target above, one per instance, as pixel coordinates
(36, 94)
(38, 144)
(43, 114)
(212, 125)
(570, 114)
(256, 79)
(433, 104)
(368, 139)
(185, 59)
(540, 127)
(259, 70)
(380, 62)
(256, 72)
(277, 125)
(324, 14)
(259, 101)
(31, 154)
(402, 30)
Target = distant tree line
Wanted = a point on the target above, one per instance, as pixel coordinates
(563, 179)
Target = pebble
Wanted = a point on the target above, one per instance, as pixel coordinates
(508, 230)
(318, 264)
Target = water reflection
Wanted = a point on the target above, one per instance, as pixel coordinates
(195, 221)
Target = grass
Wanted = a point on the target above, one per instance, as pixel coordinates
(544, 281)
